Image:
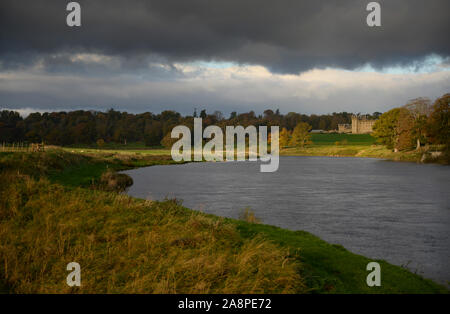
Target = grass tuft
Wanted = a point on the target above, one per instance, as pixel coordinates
(249, 216)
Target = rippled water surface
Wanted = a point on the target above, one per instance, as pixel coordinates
(389, 210)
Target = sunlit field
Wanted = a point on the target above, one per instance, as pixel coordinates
(328, 144)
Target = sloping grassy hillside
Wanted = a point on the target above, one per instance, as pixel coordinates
(128, 246)
(125, 244)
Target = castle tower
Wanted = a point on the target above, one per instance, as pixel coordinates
(361, 125)
(355, 125)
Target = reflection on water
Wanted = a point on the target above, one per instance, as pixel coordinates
(387, 210)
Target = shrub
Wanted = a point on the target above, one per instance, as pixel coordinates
(113, 181)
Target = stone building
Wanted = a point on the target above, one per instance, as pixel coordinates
(345, 128)
(360, 125)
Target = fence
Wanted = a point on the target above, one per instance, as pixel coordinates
(22, 147)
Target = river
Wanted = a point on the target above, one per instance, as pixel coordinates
(394, 211)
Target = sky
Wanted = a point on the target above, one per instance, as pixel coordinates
(305, 56)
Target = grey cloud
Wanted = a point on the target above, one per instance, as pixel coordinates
(327, 91)
(286, 36)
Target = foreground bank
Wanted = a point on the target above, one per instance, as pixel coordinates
(54, 210)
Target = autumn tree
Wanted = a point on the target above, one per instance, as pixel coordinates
(439, 122)
(405, 124)
(300, 135)
(406, 127)
(419, 110)
(385, 129)
(284, 137)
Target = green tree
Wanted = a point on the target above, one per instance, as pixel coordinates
(385, 129)
(439, 125)
(153, 133)
(300, 135)
(168, 141)
(10, 130)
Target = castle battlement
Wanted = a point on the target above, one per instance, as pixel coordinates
(362, 125)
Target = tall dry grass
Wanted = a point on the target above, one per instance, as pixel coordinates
(125, 245)
(249, 216)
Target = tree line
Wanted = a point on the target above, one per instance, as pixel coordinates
(420, 122)
(90, 127)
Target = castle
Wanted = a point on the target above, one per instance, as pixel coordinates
(360, 125)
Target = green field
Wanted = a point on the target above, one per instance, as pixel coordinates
(53, 211)
(331, 144)
(114, 146)
(332, 138)
(317, 138)
(327, 144)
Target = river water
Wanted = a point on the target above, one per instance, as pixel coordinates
(399, 212)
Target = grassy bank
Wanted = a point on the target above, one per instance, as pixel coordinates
(52, 213)
(330, 268)
(349, 145)
(350, 150)
(126, 245)
(77, 169)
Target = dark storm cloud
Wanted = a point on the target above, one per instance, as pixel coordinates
(283, 35)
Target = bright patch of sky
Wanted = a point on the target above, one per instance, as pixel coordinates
(432, 63)
(212, 64)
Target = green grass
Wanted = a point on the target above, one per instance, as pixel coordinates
(87, 173)
(148, 151)
(352, 139)
(373, 151)
(76, 169)
(115, 146)
(328, 144)
(329, 268)
(51, 214)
